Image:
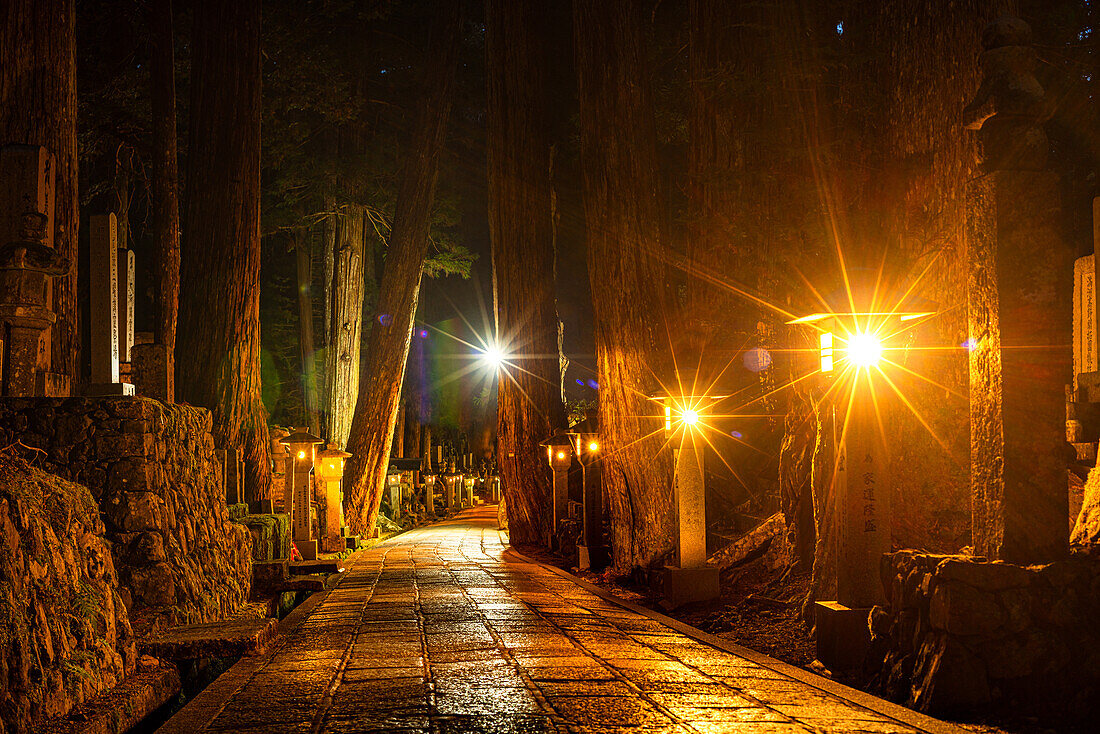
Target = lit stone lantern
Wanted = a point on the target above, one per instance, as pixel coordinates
(302, 446)
(330, 472)
(559, 454)
(429, 494)
(688, 578)
(852, 352)
(586, 444)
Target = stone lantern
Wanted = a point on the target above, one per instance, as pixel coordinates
(302, 446)
(688, 578)
(28, 262)
(330, 473)
(852, 351)
(559, 454)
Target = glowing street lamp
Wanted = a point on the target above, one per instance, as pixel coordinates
(302, 446)
(859, 340)
(852, 349)
(688, 578)
(330, 472)
(586, 444)
(559, 454)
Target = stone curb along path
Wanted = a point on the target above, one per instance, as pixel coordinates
(446, 629)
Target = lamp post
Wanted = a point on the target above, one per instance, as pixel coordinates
(586, 444)
(303, 454)
(429, 494)
(330, 472)
(855, 347)
(559, 454)
(688, 578)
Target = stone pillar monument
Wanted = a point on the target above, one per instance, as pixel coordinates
(1019, 311)
(103, 315)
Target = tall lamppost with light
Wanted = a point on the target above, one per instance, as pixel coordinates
(688, 578)
(559, 454)
(853, 349)
(303, 455)
(586, 443)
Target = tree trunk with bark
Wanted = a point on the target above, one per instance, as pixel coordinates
(219, 347)
(303, 259)
(619, 160)
(345, 326)
(388, 347)
(38, 107)
(166, 216)
(521, 228)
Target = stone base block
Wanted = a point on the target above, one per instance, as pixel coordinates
(109, 390)
(686, 585)
(1086, 452)
(308, 549)
(268, 575)
(843, 635)
(261, 507)
(352, 541)
(333, 544)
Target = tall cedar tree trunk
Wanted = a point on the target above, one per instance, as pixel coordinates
(303, 260)
(345, 326)
(521, 229)
(166, 215)
(619, 160)
(38, 107)
(218, 357)
(388, 347)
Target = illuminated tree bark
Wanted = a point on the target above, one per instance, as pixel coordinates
(619, 160)
(166, 217)
(529, 405)
(218, 355)
(345, 322)
(372, 426)
(38, 107)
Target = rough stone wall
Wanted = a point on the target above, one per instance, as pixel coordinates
(65, 634)
(152, 470)
(960, 634)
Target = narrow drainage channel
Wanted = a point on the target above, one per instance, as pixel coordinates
(197, 674)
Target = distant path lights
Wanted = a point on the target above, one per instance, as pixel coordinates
(853, 351)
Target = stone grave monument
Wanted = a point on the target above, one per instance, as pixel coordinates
(28, 264)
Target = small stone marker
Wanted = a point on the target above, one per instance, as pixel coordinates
(1084, 316)
(234, 477)
(152, 372)
(103, 315)
(125, 303)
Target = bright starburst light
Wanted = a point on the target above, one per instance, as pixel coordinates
(864, 349)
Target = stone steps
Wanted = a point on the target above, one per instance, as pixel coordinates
(232, 638)
(123, 707)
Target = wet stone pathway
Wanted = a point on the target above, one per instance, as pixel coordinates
(443, 629)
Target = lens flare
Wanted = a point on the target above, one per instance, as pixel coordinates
(691, 417)
(864, 349)
(493, 356)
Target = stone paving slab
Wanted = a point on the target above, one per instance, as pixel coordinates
(445, 629)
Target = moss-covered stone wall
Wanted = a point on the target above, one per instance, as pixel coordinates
(65, 634)
(152, 471)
